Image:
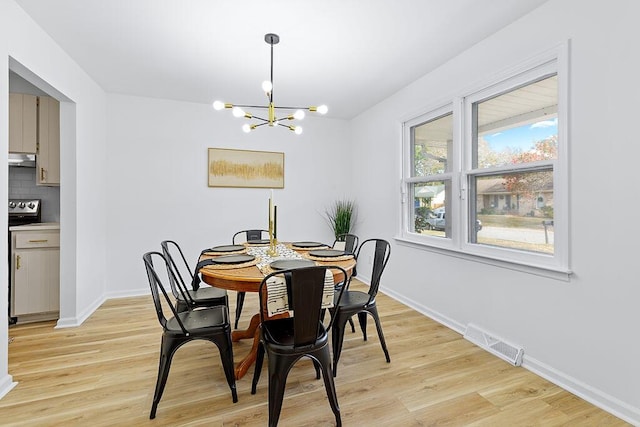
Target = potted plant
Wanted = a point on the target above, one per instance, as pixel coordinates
(341, 216)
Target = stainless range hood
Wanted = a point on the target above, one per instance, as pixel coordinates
(22, 160)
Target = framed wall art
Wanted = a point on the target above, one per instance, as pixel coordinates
(245, 168)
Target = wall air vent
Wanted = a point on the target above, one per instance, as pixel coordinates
(509, 352)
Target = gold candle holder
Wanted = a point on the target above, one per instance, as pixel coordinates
(273, 247)
(273, 242)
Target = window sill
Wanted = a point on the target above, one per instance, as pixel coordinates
(543, 271)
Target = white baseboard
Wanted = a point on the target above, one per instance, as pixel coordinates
(126, 294)
(6, 385)
(70, 322)
(438, 317)
(592, 395)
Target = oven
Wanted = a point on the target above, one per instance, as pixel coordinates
(21, 212)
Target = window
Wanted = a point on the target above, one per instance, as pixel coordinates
(430, 180)
(487, 175)
(514, 149)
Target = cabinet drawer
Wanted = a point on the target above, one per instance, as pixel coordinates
(38, 239)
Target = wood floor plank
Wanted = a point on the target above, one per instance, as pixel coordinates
(103, 373)
(448, 412)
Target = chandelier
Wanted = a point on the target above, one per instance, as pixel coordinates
(271, 119)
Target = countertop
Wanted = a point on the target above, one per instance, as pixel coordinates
(36, 227)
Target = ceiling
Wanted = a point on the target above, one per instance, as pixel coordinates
(347, 54)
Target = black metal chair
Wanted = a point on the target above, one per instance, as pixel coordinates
(287, 340)
(361, 303)
(188, 299)
(211, 324)
(347, 242)
(240, 236)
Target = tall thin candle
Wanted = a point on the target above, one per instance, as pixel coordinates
(272, 203)
(275, 222)
(270, 217)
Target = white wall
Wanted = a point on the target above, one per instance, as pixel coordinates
(157, 175)
(581, 334)
(30, 51)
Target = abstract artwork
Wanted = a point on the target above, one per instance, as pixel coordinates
(245, 168)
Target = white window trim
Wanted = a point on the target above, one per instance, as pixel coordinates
(556, 266)
(407, 199)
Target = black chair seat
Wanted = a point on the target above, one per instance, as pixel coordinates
(204, 294)
(280, 334)
(199, 321)
(354, 300)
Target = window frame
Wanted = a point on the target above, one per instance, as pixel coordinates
(409, 180)
(554, 61)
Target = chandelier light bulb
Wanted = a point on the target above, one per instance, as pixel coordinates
(246, 128)
(298, 130)
(267, 86)
(322, 109)
(218, 105)
(298, 115)
(237, 112)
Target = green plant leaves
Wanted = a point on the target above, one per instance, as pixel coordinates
(341, 216)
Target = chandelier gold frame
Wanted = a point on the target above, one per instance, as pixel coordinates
(272, 119)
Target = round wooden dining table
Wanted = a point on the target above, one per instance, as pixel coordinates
(248, 279)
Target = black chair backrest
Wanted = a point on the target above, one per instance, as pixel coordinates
(249, 235)
(158, 288)
(181, 271)
(381, 252)
(350, 240)
(304, 288)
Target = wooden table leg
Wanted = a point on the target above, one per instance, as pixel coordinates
(251, 332)
(243, 366)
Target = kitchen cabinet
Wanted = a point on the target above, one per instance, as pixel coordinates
(35, 279)
(48, 154)
(23, 125)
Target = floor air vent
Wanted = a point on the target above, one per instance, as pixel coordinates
(509, 352)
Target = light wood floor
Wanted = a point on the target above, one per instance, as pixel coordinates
(103, 373)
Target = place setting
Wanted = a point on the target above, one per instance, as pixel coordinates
(328, 255)
(257, 242)
(307, 246)
(288, 264)
(225, 250)
(227, 257)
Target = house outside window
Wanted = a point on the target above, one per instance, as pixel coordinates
(515, 138)
(487, 174)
